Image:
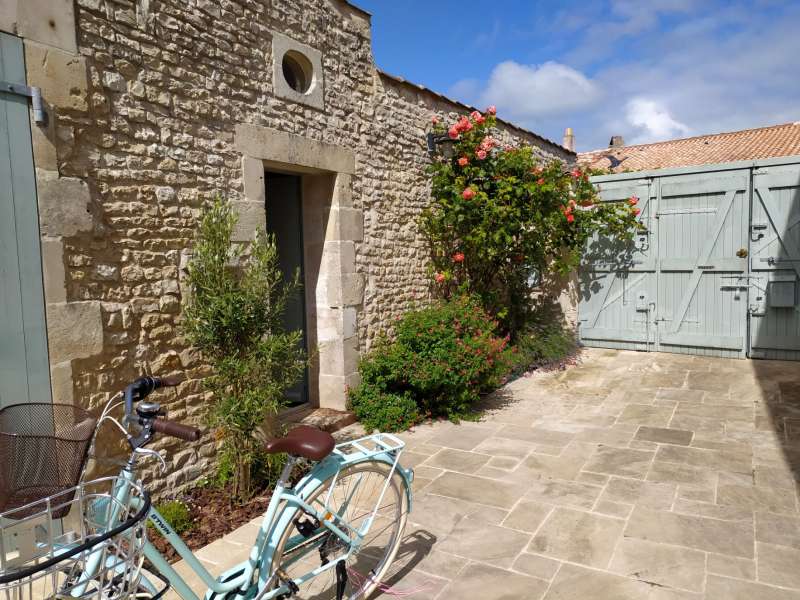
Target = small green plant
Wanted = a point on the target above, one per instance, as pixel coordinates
(264, 470)
(440, 360)
(177, 514)
(233, 315)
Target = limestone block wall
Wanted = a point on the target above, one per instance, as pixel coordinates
(156, 106)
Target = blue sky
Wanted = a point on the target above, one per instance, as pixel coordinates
(645, 69)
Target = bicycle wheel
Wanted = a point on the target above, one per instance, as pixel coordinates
(362, 485)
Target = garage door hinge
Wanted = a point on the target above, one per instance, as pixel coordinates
(34, 93)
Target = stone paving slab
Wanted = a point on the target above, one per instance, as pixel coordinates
(629, 476)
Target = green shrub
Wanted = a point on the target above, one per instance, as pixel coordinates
(377, 409)
(177, 514)
(542, 344)
(440, 361)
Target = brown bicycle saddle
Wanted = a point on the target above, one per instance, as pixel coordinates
(304, 441)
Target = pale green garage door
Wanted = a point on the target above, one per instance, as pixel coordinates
(715, 272)
(24, 371)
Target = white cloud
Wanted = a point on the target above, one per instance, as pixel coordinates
(652, 121)
(526, 92)
(652, 71)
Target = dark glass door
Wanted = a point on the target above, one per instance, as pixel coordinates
(285, 221)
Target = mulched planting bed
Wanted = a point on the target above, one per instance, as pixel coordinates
(213, 515)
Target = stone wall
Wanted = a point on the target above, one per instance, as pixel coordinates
(158, 105)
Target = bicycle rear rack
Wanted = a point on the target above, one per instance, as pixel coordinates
(368, 447)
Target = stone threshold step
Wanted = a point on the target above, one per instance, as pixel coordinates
(326, 419)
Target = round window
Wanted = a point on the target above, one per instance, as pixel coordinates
(297, 71)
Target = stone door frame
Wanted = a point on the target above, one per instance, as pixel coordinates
(331, 227)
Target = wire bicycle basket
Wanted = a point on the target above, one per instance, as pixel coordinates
(43, 448)
(95, 552)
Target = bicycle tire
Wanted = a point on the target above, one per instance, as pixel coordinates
(397, 487)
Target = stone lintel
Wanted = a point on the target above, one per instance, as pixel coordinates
(292, 151)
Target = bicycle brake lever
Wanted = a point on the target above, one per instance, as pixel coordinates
(148, 452)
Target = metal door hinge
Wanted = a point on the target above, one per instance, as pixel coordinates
(34, 93)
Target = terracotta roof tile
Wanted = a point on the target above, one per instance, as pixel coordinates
(748, 144)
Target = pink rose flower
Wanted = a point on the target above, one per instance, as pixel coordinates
(570, 218)
(540, 181)
(636, 211)
(458, 257)
(481, 154)
(439, 277)
(474, 114)
(435, 120)
(633, 200)
(468, 194)
(492, 110)
(576, 173)
(453, 133)
(463, 161)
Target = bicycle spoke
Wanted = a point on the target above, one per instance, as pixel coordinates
(353, 500)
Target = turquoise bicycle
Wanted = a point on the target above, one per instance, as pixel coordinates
(333, 534)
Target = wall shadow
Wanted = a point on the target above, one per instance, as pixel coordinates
(774, 326)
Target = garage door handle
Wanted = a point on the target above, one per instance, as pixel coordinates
(705, 266)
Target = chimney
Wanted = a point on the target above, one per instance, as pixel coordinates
(569, 139)
(616, 142)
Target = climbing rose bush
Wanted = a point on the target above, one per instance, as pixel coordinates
(501, 219)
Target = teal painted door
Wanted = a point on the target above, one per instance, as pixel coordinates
(618, 282)
(775, 263)
(684, 289)
(284, 221)
(24, 367)
(717, 272)
(702, 289)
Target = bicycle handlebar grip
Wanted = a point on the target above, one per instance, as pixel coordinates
(177, 430)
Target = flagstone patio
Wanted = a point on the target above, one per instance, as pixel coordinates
(629, 476)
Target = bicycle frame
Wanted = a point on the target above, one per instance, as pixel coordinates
(251, 578)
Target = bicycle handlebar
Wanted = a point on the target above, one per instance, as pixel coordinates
(141, 388)
(177, 430)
